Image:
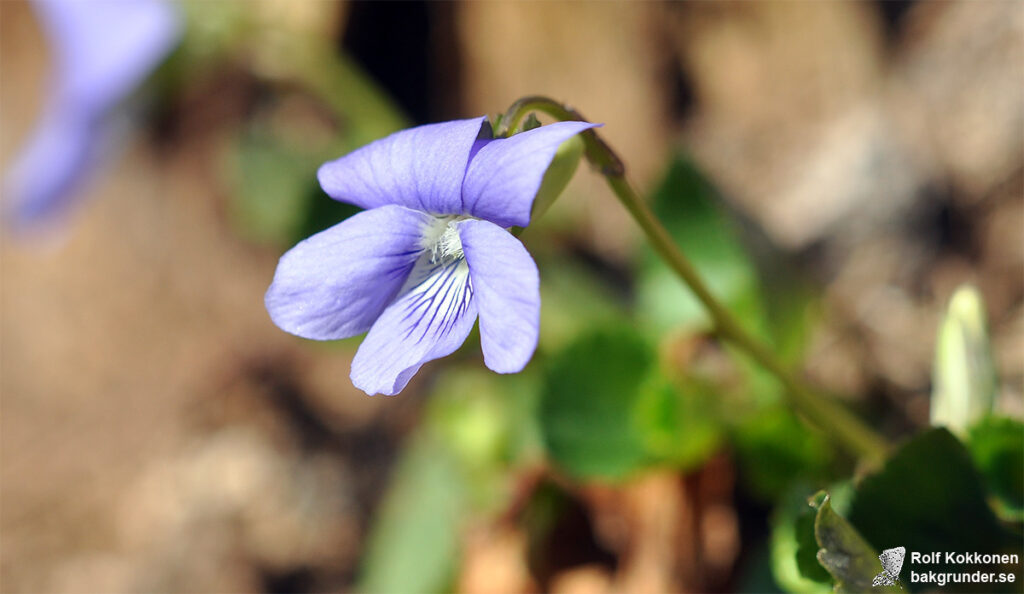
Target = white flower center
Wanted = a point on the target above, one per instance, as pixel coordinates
(441, 239)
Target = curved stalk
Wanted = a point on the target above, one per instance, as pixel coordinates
(856, 437)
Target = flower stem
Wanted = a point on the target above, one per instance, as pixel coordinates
(858, 439)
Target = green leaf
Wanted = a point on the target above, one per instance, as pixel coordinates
(678, 424)
(850, 560)
(794, 550)
(688, 206)
(792, 307)
(414, 544)
(487, 422)
(366, 112)
(964, 382)
(276, 197)
(272, 187)
(930, 497)
(470, 416)
(573, 302)
(775, 449)
(588, 404)
(997, 447)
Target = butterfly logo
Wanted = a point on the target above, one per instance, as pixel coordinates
(892, 563)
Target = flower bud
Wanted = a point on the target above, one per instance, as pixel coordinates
(964, 378)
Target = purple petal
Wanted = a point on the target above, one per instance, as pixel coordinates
(420, 168)
(337, 282)
(507, 290)
(504, 176)
(42, 181)
(431, 320)
(105, 48)
(102, 49)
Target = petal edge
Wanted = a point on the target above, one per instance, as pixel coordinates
(506, 286)
(504, 176)
(430, 320)
(336, 283)
(420, 168)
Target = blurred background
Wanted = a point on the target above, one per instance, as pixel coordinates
(835, 169)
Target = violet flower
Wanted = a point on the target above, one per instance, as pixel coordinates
(102, 50)
(429, 254)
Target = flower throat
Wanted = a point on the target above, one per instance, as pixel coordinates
(441, 239)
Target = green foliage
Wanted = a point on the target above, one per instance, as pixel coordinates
(688, 205)
(679, 425)
(775, 449)
(468, 412)
(488, 422)
(477, 427)
(773, 446)
(365, 111)
(792, 307)
(997, 448)
(573, 301)
(964, 374)
(276, 197)
(272, 168)
(607, 411)
(930, 497)
(850, 560)
(414, 543)
(272, 184)
(589, 401)
(794, 550)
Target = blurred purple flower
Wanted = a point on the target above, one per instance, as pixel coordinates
(429, 254)
(102, 50)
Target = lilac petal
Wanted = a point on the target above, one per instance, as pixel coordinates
(335, 283)
(102, 49)
(420, 168)
(504, 176)
(430, 320)
(105, 48)
(41, 182)
(507, 290)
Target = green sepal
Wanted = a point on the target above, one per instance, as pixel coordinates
(557, 177)
(530, 123)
